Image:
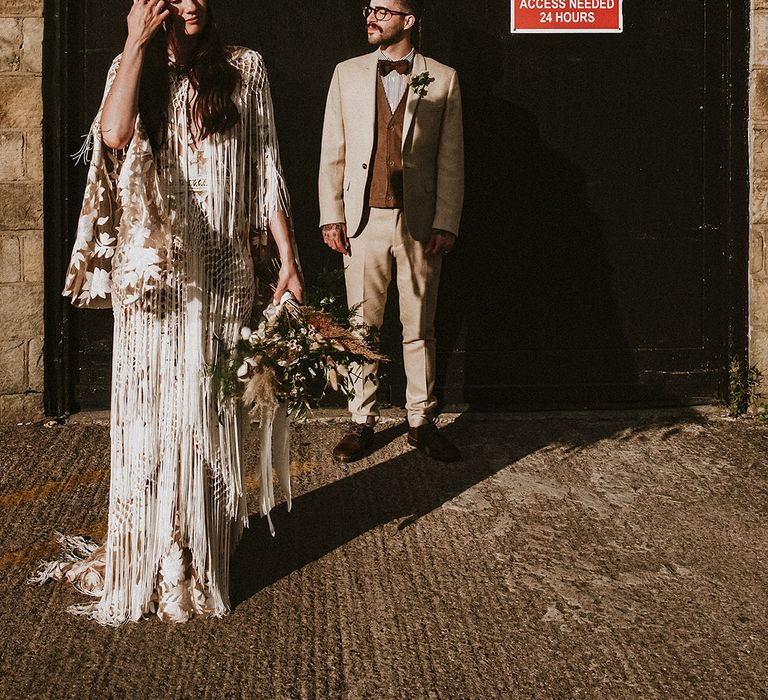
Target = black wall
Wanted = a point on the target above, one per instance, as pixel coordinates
(602, 253)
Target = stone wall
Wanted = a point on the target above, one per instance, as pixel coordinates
(758, 264)
(21, 210)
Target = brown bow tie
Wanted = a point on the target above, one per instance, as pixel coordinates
(402, 67)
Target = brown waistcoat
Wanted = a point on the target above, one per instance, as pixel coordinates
(386, 189)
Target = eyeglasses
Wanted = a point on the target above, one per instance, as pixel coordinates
(382, 13)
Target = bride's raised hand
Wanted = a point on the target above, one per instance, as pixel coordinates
(144, 19)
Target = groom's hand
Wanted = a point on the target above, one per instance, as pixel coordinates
(440, 242)
(335, 237)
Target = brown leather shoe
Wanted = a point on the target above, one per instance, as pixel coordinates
(355, 444)
(432, 442)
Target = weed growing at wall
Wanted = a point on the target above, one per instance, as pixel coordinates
(742, 387)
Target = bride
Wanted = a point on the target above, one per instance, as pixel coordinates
(184, 185)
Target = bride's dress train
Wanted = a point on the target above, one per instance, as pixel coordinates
(179, 594)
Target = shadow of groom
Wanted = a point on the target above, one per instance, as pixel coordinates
(409, 486)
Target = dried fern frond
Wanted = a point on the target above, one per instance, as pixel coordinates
(330, 330)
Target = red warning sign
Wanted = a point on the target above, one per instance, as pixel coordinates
(577, 16)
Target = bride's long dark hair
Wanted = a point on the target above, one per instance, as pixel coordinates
(209, 71)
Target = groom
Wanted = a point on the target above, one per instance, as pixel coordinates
(391, 190)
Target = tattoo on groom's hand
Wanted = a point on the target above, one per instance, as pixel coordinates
(335, 237)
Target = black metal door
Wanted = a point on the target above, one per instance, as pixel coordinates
(602, 254)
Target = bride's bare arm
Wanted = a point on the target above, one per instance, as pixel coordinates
(290, 278)
(121, 106)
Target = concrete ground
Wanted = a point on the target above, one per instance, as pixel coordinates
(595, 555)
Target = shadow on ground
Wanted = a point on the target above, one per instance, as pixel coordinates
(405, 486)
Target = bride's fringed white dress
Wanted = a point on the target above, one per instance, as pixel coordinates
(168, 240)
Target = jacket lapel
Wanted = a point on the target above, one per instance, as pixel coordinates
(367, 93)
(419, 66)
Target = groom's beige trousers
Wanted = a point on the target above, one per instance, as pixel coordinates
(381, 243)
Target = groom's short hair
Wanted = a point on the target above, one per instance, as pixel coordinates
(415, 7)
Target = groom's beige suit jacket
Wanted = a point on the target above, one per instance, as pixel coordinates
(433, 148)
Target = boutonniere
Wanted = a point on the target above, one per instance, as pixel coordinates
(419, 83)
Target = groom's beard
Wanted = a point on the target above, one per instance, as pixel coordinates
(382, 37)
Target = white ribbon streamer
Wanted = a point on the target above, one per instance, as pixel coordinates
(275, 450)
